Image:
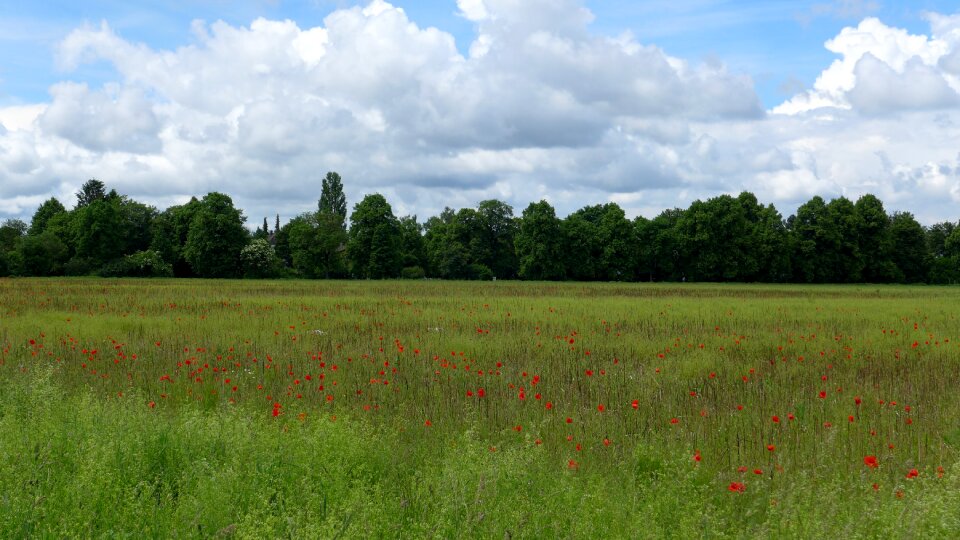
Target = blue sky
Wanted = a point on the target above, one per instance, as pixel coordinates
(777, 42)
(649, 104)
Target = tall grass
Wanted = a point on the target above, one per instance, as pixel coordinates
(195, 408)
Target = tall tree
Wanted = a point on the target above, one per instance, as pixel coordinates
(92, 190)
(717, 240)
(215, 238)
(314, 244)
(909, 253)
(945, 265)
(373, 246)
(169, 235)
(538, 243)
(874, 241)
(332, 199)
(412, 249)
(446, 253)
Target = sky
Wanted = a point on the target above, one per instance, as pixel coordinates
(435, 103)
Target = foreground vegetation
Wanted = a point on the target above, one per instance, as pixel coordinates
(369, 409)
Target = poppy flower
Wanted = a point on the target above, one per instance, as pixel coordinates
(870, 461)
(913, 473)
(737, 487)
(635, 404)
(776, 419)
(674, 421)
(771, 447)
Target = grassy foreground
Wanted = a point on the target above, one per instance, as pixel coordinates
(399, 409)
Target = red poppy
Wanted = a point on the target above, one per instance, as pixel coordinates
(635, 404)
(674, 421)
(771, 447)
(776, 419)
(737, 487)
(913, 473)
(870, 461)
(601, 407)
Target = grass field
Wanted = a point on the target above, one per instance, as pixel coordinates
(489, 410)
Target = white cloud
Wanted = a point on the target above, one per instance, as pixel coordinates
(875, 59)
(541, 107)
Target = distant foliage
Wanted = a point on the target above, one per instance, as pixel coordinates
(722, 239)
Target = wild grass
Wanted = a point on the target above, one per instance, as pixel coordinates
(399, 409)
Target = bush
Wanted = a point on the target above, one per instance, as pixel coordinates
(259, 260)
(413, 272)
(79, 266)
(481, 272)
(140, 264)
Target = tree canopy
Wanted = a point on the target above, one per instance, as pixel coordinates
(724, 238)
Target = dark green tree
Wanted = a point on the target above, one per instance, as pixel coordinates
(666, 261)
(874, 241)
(332, 199)
(170, 230)
(499, 230)
(538, 243)
(909, 253)
(448, 257)
(41, 255)
(945, 264)
(99, 230)
(11, 232)
(374, 239)
(717, 241)
(315, 245)
(412, 248)
(215, 238)
(92, 190)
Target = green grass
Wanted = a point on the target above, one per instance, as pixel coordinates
(168, 429)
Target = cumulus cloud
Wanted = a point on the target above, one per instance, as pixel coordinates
(885, 69)
(540, 107)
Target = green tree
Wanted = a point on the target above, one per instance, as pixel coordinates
(10, 233)
(315, 245)
(448, 257)
(169, 235)
(332, 199)
(413, 252)
(909, 253)
(91, 191)
(50, 208)
(945, 264)
(874, 240)
(717, 240)
(373, 245)
(215, 238)
(538, 243)
(41, 255)
(825, 243)
(497, 234)
(99, 230)
(664, 248)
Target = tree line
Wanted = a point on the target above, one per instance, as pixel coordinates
(722, 239)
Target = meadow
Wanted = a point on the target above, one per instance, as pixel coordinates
(368, 409)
